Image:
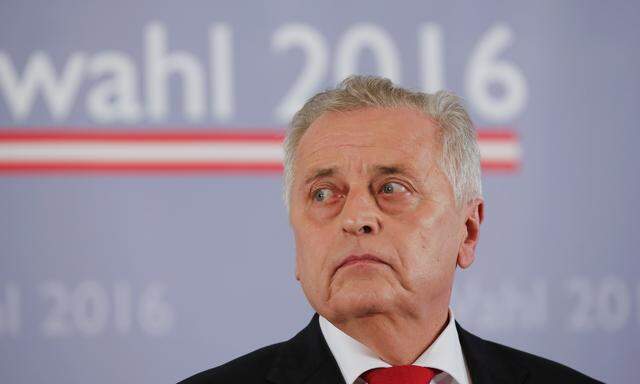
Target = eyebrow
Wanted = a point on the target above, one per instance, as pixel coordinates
(390, 169)
(377, 169)
(322, 172)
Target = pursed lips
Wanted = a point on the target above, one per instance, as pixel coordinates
(354, 259)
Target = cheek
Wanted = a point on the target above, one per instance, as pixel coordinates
(428, 247)
(310, 252)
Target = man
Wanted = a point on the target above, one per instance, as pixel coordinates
(384, 196)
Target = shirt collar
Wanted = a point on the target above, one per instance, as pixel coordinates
(354, 358)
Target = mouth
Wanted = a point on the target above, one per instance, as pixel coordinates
(360, 259)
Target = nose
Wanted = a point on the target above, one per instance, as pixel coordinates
(360, 214)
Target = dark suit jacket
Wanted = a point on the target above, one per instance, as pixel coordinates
(306, 358)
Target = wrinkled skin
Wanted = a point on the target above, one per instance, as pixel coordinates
(367, 182)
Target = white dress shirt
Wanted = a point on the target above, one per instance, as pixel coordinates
(354, 359)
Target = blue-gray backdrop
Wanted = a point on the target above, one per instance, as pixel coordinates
(116, 272)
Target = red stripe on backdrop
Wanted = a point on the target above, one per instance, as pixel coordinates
(139, 167)
(502, 166)
(177, 135)
(495, 134)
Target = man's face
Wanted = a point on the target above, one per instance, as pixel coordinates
(375, 222)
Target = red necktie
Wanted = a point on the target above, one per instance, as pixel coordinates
(401, 374)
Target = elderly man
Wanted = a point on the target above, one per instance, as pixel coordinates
(383, 190)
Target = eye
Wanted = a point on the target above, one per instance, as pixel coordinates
(322, 194)
(390, 188)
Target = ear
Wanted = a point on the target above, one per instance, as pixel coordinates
(473, 217)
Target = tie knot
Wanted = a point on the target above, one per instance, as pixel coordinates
(401, 374)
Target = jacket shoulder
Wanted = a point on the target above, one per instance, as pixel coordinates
(249, 368)
(541, 370)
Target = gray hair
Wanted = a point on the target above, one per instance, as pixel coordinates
(460, 153)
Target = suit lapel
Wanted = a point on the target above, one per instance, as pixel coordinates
(305, 358)
(485, 364)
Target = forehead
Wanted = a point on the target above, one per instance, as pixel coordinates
(370, 135)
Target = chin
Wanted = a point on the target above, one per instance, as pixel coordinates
(348, 304)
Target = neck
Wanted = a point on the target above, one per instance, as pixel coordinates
(396, 340)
